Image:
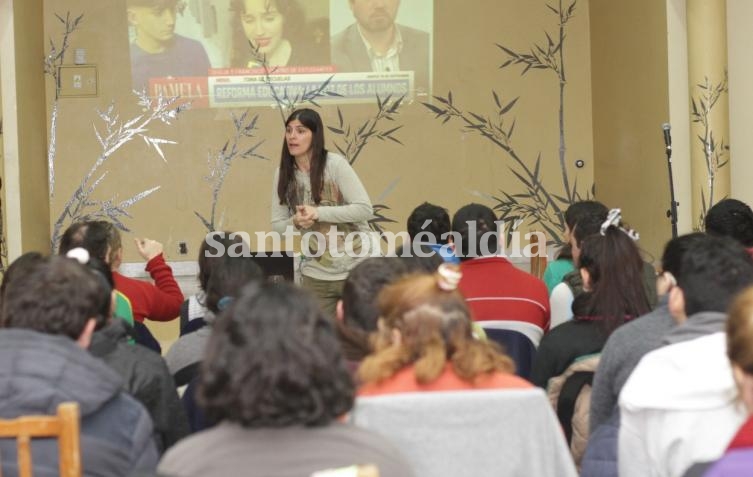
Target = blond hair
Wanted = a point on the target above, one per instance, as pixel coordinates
(740, 331)
(435, 328)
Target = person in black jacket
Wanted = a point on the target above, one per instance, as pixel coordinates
(145, 372)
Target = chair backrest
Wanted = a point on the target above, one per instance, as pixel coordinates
(538, 263)
(65, 426)
(483, 433)
(532, 332)
(352, 471)
(517, 346)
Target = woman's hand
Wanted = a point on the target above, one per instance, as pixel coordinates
(305, 216)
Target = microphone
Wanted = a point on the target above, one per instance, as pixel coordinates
(667, 137)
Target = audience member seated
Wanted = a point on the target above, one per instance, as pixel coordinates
(144, 372)
(424, 347)
(424, 341)
(194, 310)
(679, 405)
(48, 316)
(494, 288)
(624, 349)
(160, 301)
(275, 379)
(563, 295)
(357, 313)
(629, 343)
(731, 218)
(611, 269)
(228, 278)
(563, 264)
(429, 225)
(737, 460)
(93, 237)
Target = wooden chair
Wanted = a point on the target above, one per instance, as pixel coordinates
(352, 471)
(538, 264)
(65, 426)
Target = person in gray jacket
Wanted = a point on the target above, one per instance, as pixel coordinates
(48, 317)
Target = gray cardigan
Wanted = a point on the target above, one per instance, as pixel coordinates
(624, 349)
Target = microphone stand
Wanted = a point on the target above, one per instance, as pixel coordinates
(672, 212)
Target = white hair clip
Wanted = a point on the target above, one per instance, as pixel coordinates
(449, 277)
(81, 255)
(613, 219)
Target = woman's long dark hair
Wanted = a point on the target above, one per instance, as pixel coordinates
(616, 271)
(241, 49)
(287, 189)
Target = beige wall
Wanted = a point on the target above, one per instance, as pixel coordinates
(25, 193)
(630, 90)
(740, 36)
(439, 163)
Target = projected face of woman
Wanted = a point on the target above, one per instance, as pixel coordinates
(263, 25)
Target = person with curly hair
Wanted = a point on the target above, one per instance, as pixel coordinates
(731, 218)
(275, 380)
(424, 341)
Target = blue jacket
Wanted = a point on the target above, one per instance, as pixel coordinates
(600, 459)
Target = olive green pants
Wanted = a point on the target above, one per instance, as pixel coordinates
(328, 292)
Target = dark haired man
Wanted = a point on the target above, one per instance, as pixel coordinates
(376, 42)
(48, 316)
(429, 225)
(494, 288)
(357, 313)
(679, 405)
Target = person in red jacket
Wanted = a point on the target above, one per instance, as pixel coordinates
(158, 301)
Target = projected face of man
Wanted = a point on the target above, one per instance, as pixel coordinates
(375, 16)
(155, 25)
(263, 25)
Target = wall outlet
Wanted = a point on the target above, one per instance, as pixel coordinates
(182, 248)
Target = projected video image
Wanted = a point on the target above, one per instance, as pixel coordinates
(225, 53)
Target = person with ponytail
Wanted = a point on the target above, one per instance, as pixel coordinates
(318, 192)
(612, 270)
(424, 341)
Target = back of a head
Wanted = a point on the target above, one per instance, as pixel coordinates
(229, 276)
(477, 229)
(712, 272)
(99, 237)
(675, 249)
(585, 208)
(587, 226)
(435, 328)
(210, 256)
(362, 287)
(58, 297)
(429, 218)
(731, 218)
(274, 361)
(615, 268)
(20, 267)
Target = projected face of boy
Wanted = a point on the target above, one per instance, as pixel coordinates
(375, 15)
(263, 25)
(155, 25)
